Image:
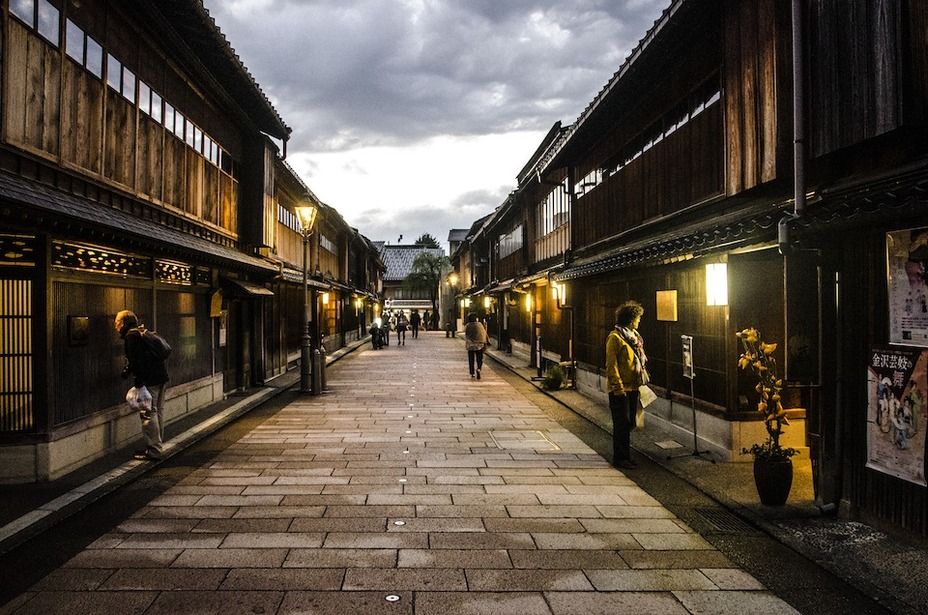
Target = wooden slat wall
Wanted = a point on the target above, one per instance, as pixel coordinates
(756, 89)
(57, 109)
(863, 299)
(512, 265)
(916, 63)
(855, 85)
(82, 119)
(33, 107)
(715, 350)
(684, 168)
(119, 141)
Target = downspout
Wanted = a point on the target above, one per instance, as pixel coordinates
(799, 153)
(785, 239)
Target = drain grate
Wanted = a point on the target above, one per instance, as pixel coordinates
(725, 521)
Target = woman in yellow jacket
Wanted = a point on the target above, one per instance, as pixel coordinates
(625, 372)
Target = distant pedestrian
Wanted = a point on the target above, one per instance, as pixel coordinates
(414, 322)
(376, 335)
(402, 323)
(450, 325)
(147, 371)
(426, 321)
(625, 372)
(476, 341)
(385, 328)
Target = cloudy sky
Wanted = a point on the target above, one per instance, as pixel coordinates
(414, 116)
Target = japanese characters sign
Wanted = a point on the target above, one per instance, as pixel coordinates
(897, 412)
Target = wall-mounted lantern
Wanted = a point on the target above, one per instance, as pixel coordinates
(717, 284)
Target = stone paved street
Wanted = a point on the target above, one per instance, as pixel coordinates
(407, 488)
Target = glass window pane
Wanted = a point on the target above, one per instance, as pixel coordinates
(74, 42)
(156, 106)
(49, 22)
(128, 84)
(94, 59)
(179, 124)
(25, 10)
(168, 119)
(113, 72)
(198, 139)
(188, 134)
(144, 98)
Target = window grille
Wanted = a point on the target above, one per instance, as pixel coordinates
(16, 387)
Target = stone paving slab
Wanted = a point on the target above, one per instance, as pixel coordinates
(407, 488)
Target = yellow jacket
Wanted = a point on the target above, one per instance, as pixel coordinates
(621, 375)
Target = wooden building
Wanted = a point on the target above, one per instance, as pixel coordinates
(685, 160)
(140, 168)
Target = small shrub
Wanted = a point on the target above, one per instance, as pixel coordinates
(554, 377)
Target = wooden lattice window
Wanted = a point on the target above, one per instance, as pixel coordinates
(16, 356)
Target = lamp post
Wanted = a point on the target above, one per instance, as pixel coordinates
(307, 214)
(451, 322)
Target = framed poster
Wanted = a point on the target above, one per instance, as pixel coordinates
(907, 264)
(897, 412)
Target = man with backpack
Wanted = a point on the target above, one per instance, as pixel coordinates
(146, 352)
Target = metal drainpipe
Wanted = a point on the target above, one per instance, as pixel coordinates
(799, 117)
(799, 153)
(826, 501)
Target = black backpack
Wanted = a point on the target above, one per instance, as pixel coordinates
(155, 345)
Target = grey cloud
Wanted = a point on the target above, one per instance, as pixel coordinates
(376, 72)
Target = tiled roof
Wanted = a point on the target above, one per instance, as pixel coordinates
(458, 234)
(67, 208)
(399, 259)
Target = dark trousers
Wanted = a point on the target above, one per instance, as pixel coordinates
(472, 356)
(623, 409)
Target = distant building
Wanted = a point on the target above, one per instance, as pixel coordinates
(398, 261)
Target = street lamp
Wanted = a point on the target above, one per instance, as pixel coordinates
(307, 215)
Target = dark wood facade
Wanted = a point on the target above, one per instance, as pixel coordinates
(684, 159)
(140, 169)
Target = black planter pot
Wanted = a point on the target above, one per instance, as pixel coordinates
(773, 479)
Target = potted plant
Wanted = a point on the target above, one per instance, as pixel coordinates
(773, 468)
(554, 377)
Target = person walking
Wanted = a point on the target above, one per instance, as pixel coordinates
(427, 321)
(376, 335)
(414, 322)
(385, 328)
(625, 372)
(402, 323)
(147, 371)
(475, 340)
(451, 324)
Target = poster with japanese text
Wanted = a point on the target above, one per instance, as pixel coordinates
(907, 260)
(897, 413)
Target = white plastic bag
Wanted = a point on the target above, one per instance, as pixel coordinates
(646, 395)
(139, 398)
